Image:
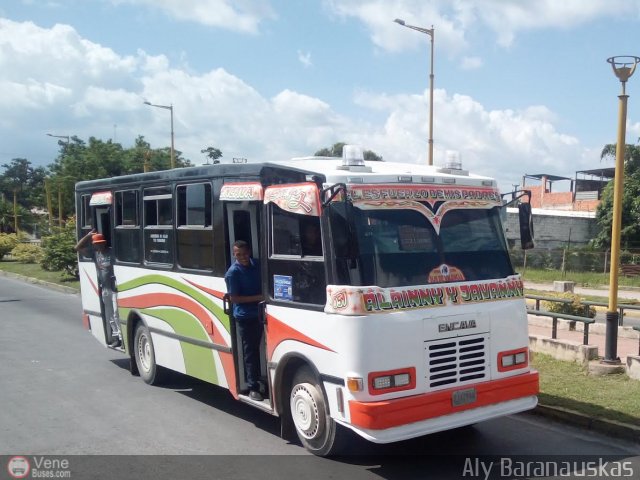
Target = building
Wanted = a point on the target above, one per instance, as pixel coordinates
(583, 195)
(562, 217)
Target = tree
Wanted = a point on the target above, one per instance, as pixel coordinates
(8, 242)
(630, 232)
(336, 151)
(213, 153)
(20, 176)
(58, 251)
(6, 217)
(78, 161)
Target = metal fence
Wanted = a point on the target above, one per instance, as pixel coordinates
(574, 260)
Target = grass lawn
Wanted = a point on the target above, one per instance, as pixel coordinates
(567, 385)
(33, 270)
(583, 279)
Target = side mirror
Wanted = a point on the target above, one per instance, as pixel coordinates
(341, 218)
(526, 225)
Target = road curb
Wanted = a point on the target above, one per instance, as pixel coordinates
(607, 427)
(52, 286)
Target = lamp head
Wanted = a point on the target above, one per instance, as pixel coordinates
(399, 21)
(623, 66)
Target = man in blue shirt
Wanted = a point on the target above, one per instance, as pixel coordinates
(244, 286)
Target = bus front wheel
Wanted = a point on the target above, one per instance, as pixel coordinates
(145, 355)
(315, 428)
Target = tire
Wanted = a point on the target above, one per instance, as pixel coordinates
(317, 431)
(145, 356)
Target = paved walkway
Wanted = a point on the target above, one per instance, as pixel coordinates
(627, 345)
(631, 294)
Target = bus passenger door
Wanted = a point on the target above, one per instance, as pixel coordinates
(242, 207)
(242, 224)
(99, 213)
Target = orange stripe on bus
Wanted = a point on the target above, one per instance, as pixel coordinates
(93, 285)
(402, 411)
(278, 332)
(210, 291)
(149, 300)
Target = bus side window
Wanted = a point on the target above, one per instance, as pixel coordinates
(158, 226)
(127, 231)
(296, 258)
(86, 223)
(194, 242)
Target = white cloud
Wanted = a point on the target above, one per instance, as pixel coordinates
(378, 16)
(305, 59)
(236, 15)
(89, 88)
(471, 63)
(103, 100)
(633, 133)
(498, 143)
(31, 94)
(452, 20)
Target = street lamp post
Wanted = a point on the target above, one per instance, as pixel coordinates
(431, 33)
(47, 188)
(15, 209)
(67, 137)
(170, 108)
(623, 68)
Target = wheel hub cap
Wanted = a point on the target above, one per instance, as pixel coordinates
(304, 411)
(144, 352)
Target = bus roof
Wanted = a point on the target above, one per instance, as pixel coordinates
(328, 168)
(386, 172)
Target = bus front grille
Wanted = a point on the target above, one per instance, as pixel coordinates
(455, 361)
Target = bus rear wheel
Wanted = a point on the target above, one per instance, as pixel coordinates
(315, 428)
(145, 356)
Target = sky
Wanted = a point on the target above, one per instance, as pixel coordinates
(520, 86)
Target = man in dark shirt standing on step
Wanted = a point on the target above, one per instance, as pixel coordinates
(106, 281)
(244, 287)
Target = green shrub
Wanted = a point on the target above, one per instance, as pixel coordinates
(28, 253)
(573, 308)
(59, 252)
(8, 242)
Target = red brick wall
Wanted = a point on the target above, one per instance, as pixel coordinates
(559, 200)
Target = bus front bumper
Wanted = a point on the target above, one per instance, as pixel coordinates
(403, 418)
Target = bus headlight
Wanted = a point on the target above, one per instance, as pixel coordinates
(392, 381)
(513, 359)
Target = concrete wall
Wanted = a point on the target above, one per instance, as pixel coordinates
(553, 227)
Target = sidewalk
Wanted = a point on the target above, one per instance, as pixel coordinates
(626, 346)
(628, 339)
(627, 293)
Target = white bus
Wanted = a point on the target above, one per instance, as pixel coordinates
(409, 320)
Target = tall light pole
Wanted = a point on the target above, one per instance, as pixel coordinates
(67, 137)
(431, 33)
(47, 188)
(170, 108)
(623, 68)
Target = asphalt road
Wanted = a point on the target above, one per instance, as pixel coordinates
(62, 394)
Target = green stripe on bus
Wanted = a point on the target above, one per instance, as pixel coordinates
(187, 290)
(198, 361)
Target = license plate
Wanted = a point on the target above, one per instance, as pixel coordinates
(463, 397)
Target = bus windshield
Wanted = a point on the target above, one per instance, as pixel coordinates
(396, 248)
